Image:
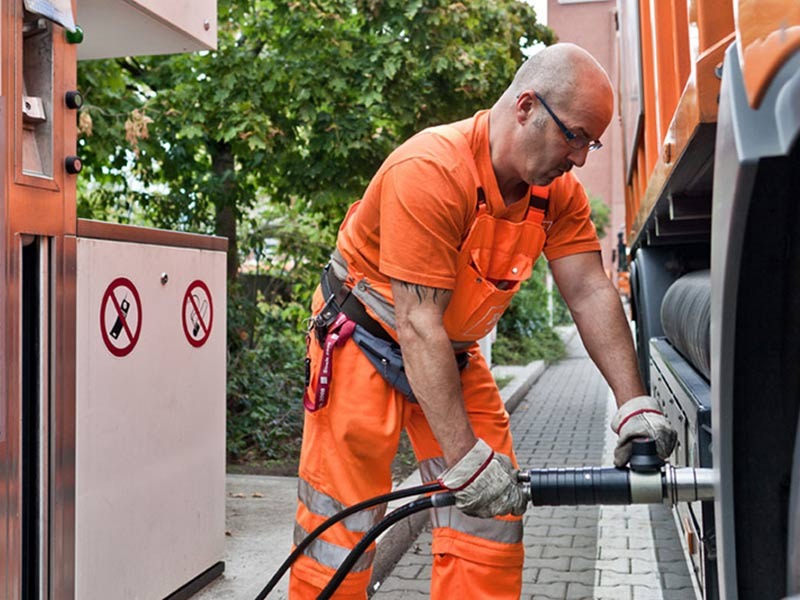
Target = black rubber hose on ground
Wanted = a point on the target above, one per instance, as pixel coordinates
(437, 500)
(404, 493)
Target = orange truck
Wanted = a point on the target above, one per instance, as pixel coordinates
(709, 99)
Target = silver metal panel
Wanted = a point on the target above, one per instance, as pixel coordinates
(46, 362)
(137, 27)
(10, 453)
(62, 455)
(679, 389)
(150, 468)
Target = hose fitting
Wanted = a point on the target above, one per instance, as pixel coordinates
(612, 485)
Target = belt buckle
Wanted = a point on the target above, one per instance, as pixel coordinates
(325, 317)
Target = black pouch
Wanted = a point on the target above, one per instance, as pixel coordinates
(387, 359)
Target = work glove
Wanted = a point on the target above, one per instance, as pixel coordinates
(640, 417)
(485, 484)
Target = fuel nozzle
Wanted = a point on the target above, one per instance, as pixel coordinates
(648, 480)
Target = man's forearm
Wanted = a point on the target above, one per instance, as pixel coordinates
(598, 313)
(433, 374)
(607, 338)
(431, 365)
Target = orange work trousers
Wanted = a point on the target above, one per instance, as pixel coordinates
(348, 448)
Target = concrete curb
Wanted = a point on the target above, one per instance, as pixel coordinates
(398, 539)
(523, 379)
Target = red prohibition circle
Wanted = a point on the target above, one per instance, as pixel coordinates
(194, 320)
(120, 326)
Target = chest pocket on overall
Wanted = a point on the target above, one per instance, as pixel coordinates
(495, 258)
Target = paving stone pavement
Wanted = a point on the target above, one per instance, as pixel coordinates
(608, 552)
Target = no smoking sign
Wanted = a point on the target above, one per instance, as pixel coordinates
(198, 313)
(121, 316)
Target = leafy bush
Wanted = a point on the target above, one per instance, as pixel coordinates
(266, 334)
(542, 345)
(524, 333)
(266, 348)
(601, 215)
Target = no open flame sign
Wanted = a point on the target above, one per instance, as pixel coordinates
(198, 313)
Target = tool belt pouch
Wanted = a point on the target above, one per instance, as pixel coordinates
(387, 359)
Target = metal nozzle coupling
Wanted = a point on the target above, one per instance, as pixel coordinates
(647, 481)
(610, 485)
(689, 485)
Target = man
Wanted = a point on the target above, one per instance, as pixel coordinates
(424, 266)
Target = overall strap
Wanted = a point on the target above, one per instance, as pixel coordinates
(540, 197)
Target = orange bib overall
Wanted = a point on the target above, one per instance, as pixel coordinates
(349, 444)
(497, 256)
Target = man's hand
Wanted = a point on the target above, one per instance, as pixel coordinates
(485, 484)
(640, 417)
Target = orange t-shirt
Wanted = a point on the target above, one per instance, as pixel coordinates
(420, 205)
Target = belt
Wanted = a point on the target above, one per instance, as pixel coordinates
(349, 304)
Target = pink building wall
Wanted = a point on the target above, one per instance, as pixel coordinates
(591, 24)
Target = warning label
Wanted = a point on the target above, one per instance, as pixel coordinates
(121, 317)
(197, 313)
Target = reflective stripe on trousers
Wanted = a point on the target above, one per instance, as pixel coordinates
(326, 507)
(495, 530)
(348, 448)
(329, 554)
(325, 553)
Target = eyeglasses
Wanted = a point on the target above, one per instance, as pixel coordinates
(574, 140)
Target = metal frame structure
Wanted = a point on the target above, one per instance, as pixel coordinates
(38, 247)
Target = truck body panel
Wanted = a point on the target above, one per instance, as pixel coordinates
(712, 184)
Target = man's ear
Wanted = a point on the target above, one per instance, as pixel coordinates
(525, 105)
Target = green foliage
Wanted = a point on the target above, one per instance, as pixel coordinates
(601, 215)
(300, 103)
(527, 313)
(266, 335)
(269, 138)
(290, 248)
(524, 333)
(265, 378)
(542, 345)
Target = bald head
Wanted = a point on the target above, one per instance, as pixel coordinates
(560, 73)
(530, 140)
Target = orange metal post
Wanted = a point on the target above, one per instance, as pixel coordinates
(682, 65)
(667, 89)
(648, 91)
(714, 21)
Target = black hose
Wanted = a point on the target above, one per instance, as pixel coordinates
(442, 499)
(404, 493)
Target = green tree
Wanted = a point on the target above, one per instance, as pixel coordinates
(300, 103)
(601, 215)
(269, 138)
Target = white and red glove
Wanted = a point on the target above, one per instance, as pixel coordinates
(641, 417)
(485, 484)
